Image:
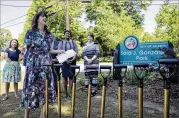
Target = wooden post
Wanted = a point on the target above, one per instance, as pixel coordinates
(67, 16)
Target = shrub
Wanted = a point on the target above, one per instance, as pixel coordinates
(81, 81)
(131, 78)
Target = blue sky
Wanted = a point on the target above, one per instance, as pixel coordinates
(9, 13)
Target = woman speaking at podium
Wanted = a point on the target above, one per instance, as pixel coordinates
(39, 45)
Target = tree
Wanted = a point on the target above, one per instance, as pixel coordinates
(5, 35)
(56, 22)
(168, 24)
(111, 27)
(133, 7)
(147, 37)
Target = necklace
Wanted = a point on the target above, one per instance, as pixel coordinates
(42, 33)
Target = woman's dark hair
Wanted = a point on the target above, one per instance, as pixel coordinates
(69, 32)
(35, 22)
(92, 35)
(17, 43)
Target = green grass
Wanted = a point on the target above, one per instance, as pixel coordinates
(10, 108)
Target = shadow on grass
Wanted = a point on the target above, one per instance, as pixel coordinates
(10, 108)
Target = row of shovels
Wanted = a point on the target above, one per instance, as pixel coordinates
(120, 71)
(76, 67)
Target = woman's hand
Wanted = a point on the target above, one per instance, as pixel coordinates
(61, 51)
(21, 56)
(8, 59)
(71, 60)
(90, 61)
(54, 60)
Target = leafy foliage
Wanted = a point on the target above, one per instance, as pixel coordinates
(147, 37)
(168, 24)
(5, 35)
(133, 7)
(111, 26)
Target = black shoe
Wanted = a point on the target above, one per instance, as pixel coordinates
(93, 93)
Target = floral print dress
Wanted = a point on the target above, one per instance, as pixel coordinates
(12, 68)
(33, 93)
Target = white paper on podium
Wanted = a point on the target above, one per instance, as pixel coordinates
(65, 56)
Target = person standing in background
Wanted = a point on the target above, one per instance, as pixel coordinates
(67, 73)
(91, 57)
(12, 68)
